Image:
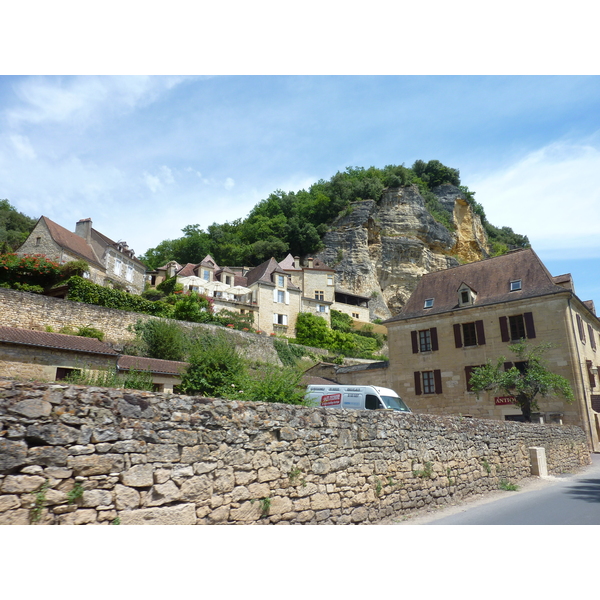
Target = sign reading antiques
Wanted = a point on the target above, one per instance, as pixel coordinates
(500, 400)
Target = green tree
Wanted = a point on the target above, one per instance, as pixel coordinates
(14, 227)
(525, 382)
(159, 338)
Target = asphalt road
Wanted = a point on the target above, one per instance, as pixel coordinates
(563, 500)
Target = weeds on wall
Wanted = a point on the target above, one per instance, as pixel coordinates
(129, 380)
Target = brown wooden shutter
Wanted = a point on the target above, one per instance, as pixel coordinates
(508, 366)
(468, 372)
(480, 333)
(529, 327)
(414, 336)
(437, 378)
(504, 329)
(591, 334)
(418, 383)
(580, 327)
(588, 364)
(457, 336)
(434, 339)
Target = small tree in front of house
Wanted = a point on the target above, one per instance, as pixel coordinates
(526, 382)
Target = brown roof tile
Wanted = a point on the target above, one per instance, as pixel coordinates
(154, 365)
(71, 241)
(58, 341)
(491, 278)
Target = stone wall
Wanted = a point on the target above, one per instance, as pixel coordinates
(77, 455)
(33, 311)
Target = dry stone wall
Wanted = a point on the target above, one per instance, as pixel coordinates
(80, 455)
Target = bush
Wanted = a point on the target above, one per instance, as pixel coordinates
(130, 380)
(90, 332)
(216, 369)
(274, 384)
(29, 269)
(193, 307)
(159, 338)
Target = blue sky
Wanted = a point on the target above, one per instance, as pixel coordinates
(145, 156)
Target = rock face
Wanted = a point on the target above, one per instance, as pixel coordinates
(381, 249)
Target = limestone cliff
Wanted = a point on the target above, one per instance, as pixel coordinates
(381, 249)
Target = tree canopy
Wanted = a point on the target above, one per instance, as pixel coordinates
(14, 227)
(525, 380)
(295, 222)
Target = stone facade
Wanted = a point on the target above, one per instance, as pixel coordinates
(73, 455)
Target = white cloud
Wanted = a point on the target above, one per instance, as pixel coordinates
(23, 146)
(229, 183)
(551, 195)
(59, 99)
(153, 182)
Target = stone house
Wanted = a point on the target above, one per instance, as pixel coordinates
(273, 293)
(459, 318)
(44, 356)
(111, 263)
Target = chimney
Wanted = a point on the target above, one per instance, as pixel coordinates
(296, 262)
(310, 263)
(83, 229)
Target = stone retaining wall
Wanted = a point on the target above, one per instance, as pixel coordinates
(78, 455)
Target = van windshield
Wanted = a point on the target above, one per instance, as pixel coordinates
(395, 403)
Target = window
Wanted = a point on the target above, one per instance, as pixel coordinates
(321, 308)
(464, 295)
(206, 275)
(280, 297)
(319, 295)
(63, 372)
(329, 279)
(517, 327)
(372, 402)
(468, 372)
(280, 319)
(428, 303)
(117, 266)
(38, 241)
(469, 334)
(281, 280)
(591, 375)
(425, 340)
(428, 382)
(355, 315)
(515, 285)
(129, 274)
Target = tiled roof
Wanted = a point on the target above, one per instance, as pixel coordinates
(308, 380)
(71, 241)
(491, 278)
(209, 261)
(263, 272)
(319, 265)
(104, 241)
(154, 365)
(288, 264)
(187, 271)
(57, 341)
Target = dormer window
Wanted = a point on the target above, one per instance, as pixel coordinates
(515, 285)
(466, 296)
(428, 303)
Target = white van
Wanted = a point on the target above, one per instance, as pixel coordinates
(358, 397)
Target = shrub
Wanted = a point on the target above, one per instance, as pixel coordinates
(159, 338)
(215, 366)
(274, 384)
(90, 332)
(130, 380)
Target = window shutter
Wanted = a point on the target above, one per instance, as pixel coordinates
(285, 321)
(508, 366)
(418, 383)
(437, 378)
(580, 327)
(591, 334)
(274, 295)
(588, 364)
(529, 328)
(275, 319)
(457, 336)
(468, 372)
(414, 338)
(287, 297)
(434, 339)
(480, 333)
(504, 329)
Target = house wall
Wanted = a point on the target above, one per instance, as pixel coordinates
(149, 458)
(40, 364)
(553, 324)
(124, 271)
(352, 311)
(49, 248)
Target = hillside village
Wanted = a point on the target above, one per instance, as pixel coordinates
(155, 457)
(444, 330)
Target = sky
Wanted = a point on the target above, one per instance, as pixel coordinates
(144, 156)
